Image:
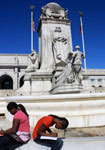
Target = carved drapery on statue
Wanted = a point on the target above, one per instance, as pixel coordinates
(59, 46)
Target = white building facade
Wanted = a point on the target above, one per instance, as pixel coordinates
(12, 71)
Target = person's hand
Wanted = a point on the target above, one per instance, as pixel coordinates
(54, 134)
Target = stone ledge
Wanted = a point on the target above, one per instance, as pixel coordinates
(85, 132)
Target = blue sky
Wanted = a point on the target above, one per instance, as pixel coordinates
(15, 27)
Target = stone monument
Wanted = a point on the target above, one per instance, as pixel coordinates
(56, 68)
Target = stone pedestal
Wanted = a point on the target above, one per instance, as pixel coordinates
(41, 83)
(36, 83)
(67, 88)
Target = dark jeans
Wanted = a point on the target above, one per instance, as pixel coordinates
(54, 144)
(8, 143)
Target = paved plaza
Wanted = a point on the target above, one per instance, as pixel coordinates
(85, 143)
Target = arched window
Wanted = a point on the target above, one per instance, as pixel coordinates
(21, 81)
(6, 82)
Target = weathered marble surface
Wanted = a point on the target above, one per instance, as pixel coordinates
(82, 110)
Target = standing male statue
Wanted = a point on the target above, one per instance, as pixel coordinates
(76, 63)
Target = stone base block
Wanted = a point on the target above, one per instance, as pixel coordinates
(66, 88)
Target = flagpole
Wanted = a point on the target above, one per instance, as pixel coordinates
(83, 44)
(32, 8)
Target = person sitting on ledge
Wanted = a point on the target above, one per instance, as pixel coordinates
(19, 133)
(43, 125)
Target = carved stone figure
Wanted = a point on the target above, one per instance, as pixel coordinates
(76, 63)
(71, 73)
(34, 62)
(59, 46)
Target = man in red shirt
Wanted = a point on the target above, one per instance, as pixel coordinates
(43, 125)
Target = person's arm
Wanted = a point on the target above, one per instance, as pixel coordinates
(13, 129)
(49, 130)
(40, 132)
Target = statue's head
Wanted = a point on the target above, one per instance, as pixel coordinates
(33, 52)
(77, 47)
